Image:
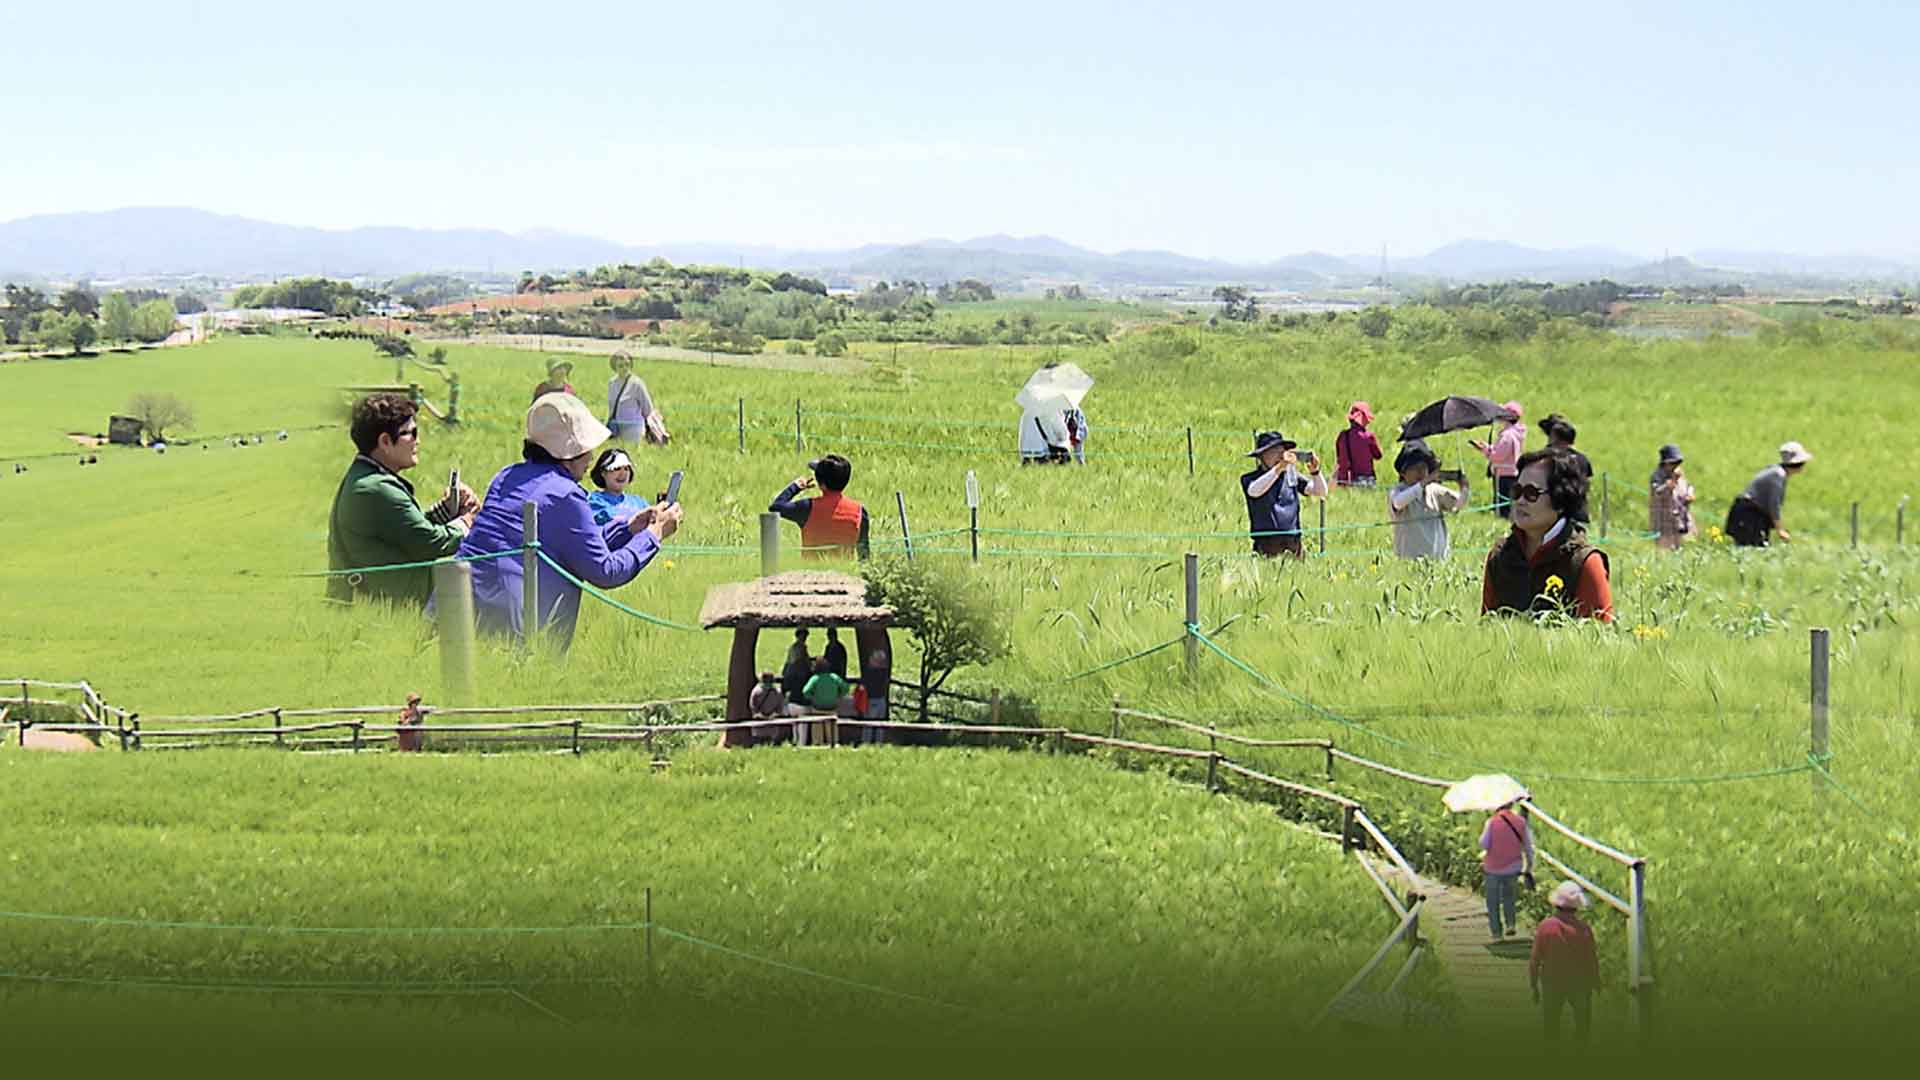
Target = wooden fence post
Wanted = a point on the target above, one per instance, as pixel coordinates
(1192, 643)
(1605, 506)
(1346, 828)
(906, 536)
(993, 707)
(1638, 985)
(530, 574)
(1900, 522)
(769, 544)
(576, 737)
(1854, 513)
(278, 739)
(743, 425)
(1116, 716)
(1323, 524)
(799, 441)
(1189, 449)
(648, 893)
(453, 611)
(1819, 648)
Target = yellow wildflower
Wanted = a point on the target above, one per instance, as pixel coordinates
(1555, 585)
(668, 564)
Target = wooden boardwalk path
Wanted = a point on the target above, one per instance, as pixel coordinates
(1489, 980)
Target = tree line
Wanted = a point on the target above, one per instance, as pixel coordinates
(77, 319)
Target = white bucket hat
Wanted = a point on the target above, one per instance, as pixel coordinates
(560, 424)
(1567, 895)
(1792, 453)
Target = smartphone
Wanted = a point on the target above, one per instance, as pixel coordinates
(1304, 455)
(453, 484)
(1451, 476)
(673, 487)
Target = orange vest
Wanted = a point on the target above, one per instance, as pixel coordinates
(833, 522)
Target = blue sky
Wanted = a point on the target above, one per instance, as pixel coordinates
(1228, 129)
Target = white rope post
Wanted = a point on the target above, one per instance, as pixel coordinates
(769, 543)
(1819, 649)
(453, 611)
(530, 574)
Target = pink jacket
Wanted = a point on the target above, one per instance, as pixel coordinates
(1504, 452)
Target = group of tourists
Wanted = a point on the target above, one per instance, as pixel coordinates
(809, 684)
(381, 542)
(1545, 562)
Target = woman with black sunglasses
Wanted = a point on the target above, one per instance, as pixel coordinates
(1545, 563)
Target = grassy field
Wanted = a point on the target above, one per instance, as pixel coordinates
(168, 581)
(1027, 896)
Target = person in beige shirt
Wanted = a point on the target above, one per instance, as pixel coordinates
(1418, 504)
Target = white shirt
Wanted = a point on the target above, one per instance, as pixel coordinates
(1419, 519)
(1040, 432)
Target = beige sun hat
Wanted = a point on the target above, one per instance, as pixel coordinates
(1568, 896)
(1792, 453)
(560, 424)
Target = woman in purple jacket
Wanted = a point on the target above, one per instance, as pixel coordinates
(561, 438)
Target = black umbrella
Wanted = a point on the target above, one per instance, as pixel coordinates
(1451, 414)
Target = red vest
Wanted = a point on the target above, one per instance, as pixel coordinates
(833, 522)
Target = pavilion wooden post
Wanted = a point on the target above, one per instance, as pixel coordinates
(530, 575)
(740, 679)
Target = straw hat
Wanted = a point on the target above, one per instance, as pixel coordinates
(558, 368)
(1792, 453)
(560, 424)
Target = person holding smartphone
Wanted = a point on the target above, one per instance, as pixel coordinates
(1273, 494)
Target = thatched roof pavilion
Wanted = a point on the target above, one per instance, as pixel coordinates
(793, 600)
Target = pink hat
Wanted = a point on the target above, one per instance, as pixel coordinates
(1362, 412)
(1514, 408)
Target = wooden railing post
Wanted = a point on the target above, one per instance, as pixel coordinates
(1638, 985)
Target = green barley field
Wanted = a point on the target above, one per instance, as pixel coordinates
(1024, 884)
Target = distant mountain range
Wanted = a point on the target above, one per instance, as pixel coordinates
(156, 241)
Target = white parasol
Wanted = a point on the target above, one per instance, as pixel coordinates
(1059, 381)
(1483, 793)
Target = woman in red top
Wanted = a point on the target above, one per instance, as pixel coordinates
(1508, 844)
(1356, 449)
(1565, 968)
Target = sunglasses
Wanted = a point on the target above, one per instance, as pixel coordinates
(1527, 492)
(407, 433)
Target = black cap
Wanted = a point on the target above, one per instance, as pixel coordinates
(1267, 440)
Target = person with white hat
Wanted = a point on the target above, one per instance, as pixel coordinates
(1756, 513)
(1564, 968)
(561, 437)
(612, 473)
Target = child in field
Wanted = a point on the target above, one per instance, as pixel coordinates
(1418, 505)
(612, 474)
